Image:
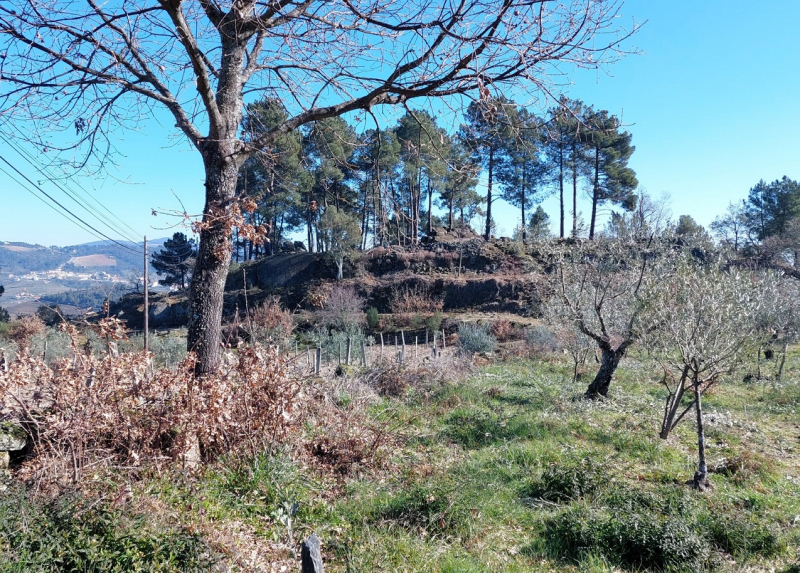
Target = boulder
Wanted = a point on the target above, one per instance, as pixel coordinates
(300, 246)
(12, 437)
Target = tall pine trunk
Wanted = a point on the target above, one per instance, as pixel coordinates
(595, 191)
(430, 207)
(574, 190)
(522, 206)
(561, 184)
(450, 214)
(488, 234)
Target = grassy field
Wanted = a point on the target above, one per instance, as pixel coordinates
(506, 469)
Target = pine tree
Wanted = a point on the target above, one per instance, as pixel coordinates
(460, 181)
(565, 152)
(423, 148)
(377, 159)
(175, 260)
(489, 125)
(607, 153)
(770, 207)
(539, 225)
(329, 146)
(275, 177)
(524, 174)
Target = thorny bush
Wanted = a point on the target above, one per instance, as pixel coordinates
(89, 412)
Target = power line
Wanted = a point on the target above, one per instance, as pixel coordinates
(21, 184)
(45, 171)
(89, 209)
(46, 194)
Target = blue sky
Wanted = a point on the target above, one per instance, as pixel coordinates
(710, 101)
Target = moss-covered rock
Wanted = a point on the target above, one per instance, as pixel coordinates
(12, 437)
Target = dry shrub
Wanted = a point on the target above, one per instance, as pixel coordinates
(271, 315)
(22, 330)
(344, 437)
(90, 413)
(415, 299)
(502, 330)
(396, 381)
(270, 322)
(343, 309)
(350, 441)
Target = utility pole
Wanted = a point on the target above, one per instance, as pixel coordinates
(146, 302)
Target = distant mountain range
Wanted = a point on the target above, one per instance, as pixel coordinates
(81, 275)
(24, 258)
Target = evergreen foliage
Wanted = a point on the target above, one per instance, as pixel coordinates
(175, 260)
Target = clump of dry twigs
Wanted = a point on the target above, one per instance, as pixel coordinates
(91, 413)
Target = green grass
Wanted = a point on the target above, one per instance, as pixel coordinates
(69, 534)
(510, 470)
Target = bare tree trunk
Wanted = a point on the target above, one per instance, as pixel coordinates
(779, 373)
(213, 259)
(673, 404)
(608, 365)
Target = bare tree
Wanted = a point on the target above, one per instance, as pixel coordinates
(90, 68)
(707, 317)
(602, 289)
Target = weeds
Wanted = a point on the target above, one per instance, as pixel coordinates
(570, 481)
(73, 534)
(634, 540)
(475, 339)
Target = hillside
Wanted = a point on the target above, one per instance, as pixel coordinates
(36, 274)
(452, 274)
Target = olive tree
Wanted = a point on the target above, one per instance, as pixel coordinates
(707, 317)
(779, 323)
(600, 288)
(76, 72)
(340, 235)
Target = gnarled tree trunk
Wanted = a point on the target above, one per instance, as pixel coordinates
(700, 480)
(608, 365)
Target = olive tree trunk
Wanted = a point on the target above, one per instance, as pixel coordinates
(700, 480)
(608, 365)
